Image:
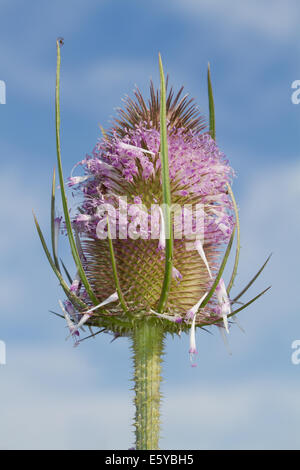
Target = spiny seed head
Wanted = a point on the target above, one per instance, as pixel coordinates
(123, 174)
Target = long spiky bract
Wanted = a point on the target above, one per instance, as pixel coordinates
(212, 130)
(238, 240)
(54, 223)
(62, 185)
(157, 156)
(166, 193)
(114, 268)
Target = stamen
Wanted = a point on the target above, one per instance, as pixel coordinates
(200, 250)
(57, 222)
(225, 339)
(176, 274)
(192, 312)
(193, 348)
(70, 325)
(76, 283)
(88, 314)
(74, 180)
(224, 302)
(124, 146)
(176, 319)
(111, 298)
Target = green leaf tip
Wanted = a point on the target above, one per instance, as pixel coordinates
(72, 242)
(166, 191)
(252, 280)
(212, 123)
(66, 271)
(53, 235)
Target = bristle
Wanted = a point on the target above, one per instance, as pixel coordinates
(182, 112)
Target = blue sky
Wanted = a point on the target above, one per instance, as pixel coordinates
(52, 396)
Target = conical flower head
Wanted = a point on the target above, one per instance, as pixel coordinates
(122, 188)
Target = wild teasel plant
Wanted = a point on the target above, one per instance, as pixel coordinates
(157, 154)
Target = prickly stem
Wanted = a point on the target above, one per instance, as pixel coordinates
(147, 346)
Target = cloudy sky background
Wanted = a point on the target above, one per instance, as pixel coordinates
(53, 396)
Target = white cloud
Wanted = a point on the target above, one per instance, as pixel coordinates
(60, 17)
(48, 401)
(86, 87)
(89, 88)
(31, 73)
(51, 400)
(20, 249)
(250, 414)
(270, 215)
(279, 20)
(270, 223)
(20, 194)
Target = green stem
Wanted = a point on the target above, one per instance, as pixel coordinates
(148, 338)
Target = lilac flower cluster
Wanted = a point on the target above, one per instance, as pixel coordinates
(120, 166)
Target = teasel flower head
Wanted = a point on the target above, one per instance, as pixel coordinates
(122, 186)
(155, 221)
(154, 226)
